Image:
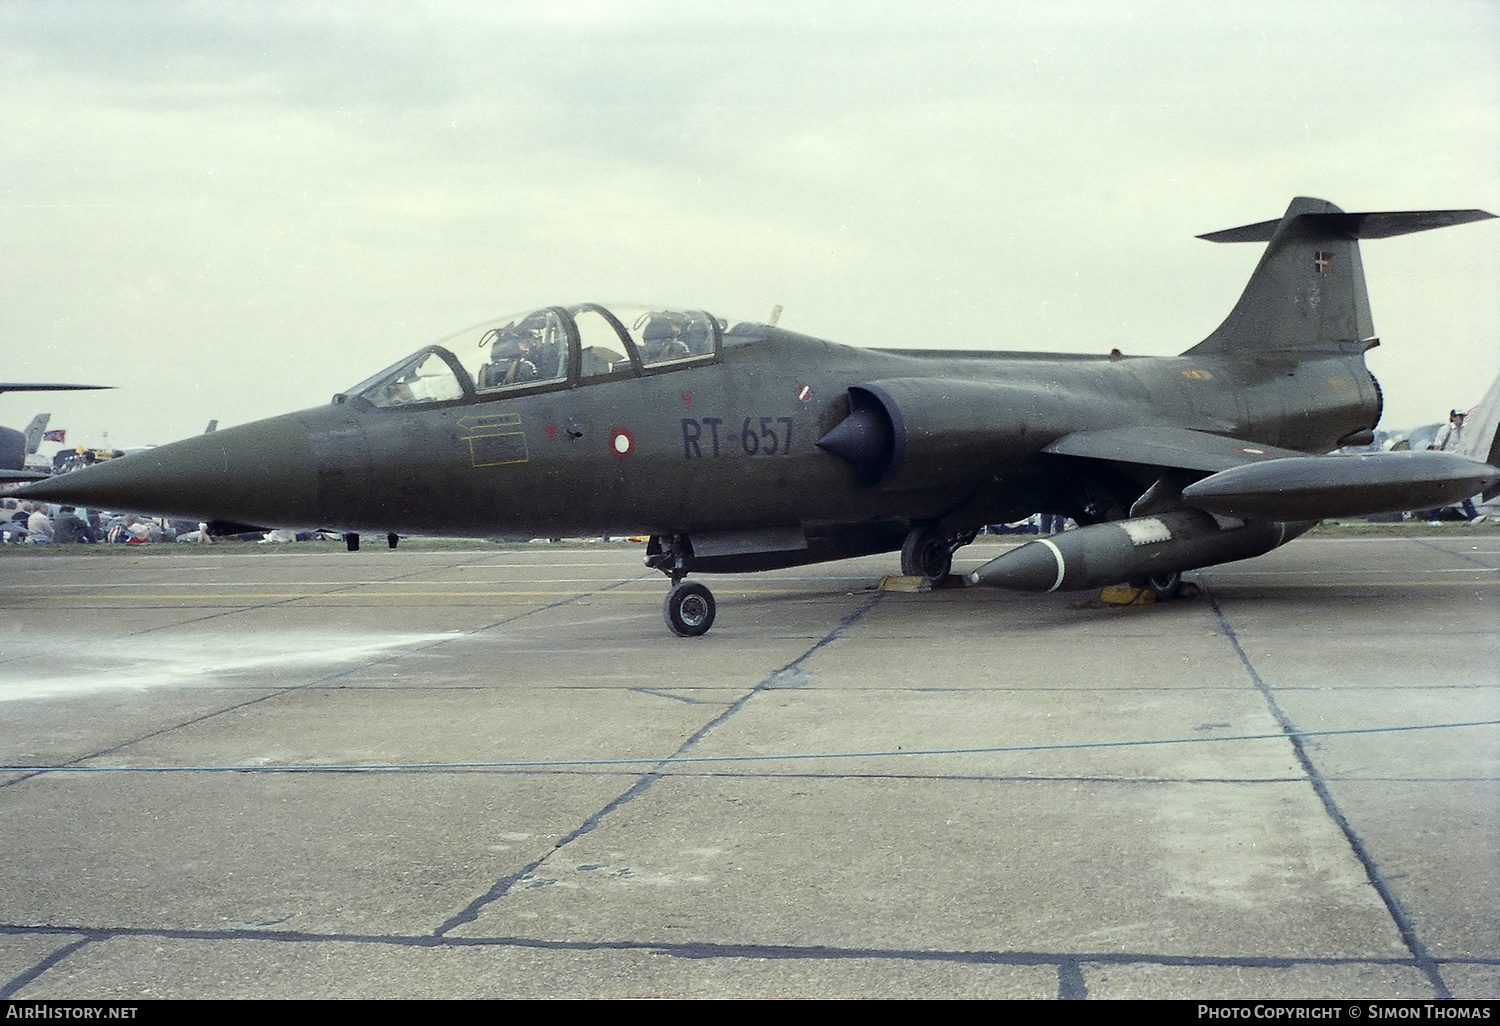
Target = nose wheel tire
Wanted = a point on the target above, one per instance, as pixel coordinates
(689, 609)
(926, 554)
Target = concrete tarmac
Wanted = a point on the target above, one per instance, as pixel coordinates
(482, 772)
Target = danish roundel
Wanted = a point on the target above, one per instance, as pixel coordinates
(621, 442)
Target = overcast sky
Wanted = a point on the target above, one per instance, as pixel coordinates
(232, 210)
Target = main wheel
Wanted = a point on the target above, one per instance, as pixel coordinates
(926, 554)
(689, 609)
(1165, 586)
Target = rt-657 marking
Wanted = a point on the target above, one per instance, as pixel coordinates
(757, 436)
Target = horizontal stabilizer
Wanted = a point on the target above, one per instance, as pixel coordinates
(1160, 445)
(1318, 487)
(11, 386)
(1307, 295)
(11, 476)
(1382, 225)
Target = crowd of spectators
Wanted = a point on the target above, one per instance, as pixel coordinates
(35, 523)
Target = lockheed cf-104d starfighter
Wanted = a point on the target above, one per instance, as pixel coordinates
(739, 446)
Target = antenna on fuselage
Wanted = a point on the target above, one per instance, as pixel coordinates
(775, 315)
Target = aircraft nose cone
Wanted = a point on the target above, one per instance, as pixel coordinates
(262, 473)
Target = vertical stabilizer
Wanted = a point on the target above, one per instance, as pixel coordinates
(1307, 294)
(1481, 437)
(34, 431)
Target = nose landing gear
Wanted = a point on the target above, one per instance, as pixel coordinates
(689, 609)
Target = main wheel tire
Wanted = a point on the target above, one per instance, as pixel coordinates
(926, 554)
(1165, 586)
(689, 609)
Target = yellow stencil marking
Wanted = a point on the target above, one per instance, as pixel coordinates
(489, 420)
(490, 445)
(1196, 374)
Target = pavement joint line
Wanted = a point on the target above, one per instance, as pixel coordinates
(711, 949)
(769, 683)
(15, 983)
(1403, 922)
(975, 778)
(980, 778)
(470, 913)
(74, 765)
(1461, 555)
(1070, 985)
(659, 693)
(1345, 779)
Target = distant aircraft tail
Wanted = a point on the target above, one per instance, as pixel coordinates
(34, 431)
(1307, 294)
(1481, 437)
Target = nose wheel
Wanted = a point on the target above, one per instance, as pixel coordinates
(689, 609)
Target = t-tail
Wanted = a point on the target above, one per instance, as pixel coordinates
(1307, 294)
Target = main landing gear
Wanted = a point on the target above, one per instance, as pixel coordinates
(928, 553)
(1165, 586)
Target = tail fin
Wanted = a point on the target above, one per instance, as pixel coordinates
(34, 431)
(1481, 437)
(1308, 291)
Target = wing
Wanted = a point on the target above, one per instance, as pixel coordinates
(1160, 445)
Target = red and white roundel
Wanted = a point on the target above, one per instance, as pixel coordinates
(621, 442)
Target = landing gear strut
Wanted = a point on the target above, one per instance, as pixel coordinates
(689, 609)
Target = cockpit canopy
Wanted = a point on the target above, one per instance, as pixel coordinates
(555, 347)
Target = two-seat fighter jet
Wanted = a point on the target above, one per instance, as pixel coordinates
(740, 446)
